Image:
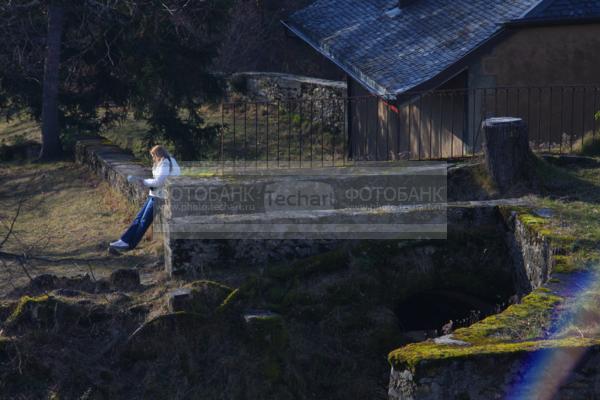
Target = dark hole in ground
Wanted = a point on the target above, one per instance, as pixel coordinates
(431, 310)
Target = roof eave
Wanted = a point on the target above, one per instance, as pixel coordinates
(458, 66)
(532, 22)
(373, 88)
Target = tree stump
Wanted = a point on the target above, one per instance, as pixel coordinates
(506, 149)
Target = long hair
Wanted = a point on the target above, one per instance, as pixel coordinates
(159, 153)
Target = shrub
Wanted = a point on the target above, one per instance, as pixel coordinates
(590, 145)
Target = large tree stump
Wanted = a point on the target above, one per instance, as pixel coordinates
(506, 149)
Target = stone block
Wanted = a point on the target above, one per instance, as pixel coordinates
(125, 279)
(180, 300)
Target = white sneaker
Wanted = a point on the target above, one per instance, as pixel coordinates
(119, 245)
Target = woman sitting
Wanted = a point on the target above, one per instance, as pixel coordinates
(163, 165)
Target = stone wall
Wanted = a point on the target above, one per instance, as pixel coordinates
(272, 86)
(294, 94)
(113, 164)
(479, 376)
(191, 251)
(501, 376)
(532, 254)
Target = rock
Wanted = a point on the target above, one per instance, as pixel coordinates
(544, 212)
(256, 315)
(44, 282)
(125, 279)
(67, 292)
(118, 298)
(447, 339)
(34, 312)
(266, 329)
(164, 333)
(180, 300)
(199, 297)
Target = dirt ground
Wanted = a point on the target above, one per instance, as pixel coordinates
(66, 219)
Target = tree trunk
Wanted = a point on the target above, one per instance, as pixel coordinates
(51, 147)
(506, 149)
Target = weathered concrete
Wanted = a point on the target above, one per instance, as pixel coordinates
(201, 236)
(113, 164)
(194, 251)
(506, 149)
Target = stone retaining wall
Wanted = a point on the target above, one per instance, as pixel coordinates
(295, 94)
(273, 86)
(502, 376)
(532, 254)
(113, 164)
(483, 376)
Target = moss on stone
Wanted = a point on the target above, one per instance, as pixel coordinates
(515, 329)
(230, 300)
(24, 303)
(410, 356)
(563, 264)
(207, 296)
(523, 321)
(199, 173)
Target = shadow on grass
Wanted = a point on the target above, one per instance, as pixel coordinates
(568, 178)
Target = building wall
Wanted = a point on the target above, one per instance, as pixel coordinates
(526, 75)
(544, 61)
(429, 125)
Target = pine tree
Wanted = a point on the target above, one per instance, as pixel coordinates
(80, 65)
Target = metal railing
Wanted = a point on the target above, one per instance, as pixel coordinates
(441, 124)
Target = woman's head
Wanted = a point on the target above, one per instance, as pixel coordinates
(158, 153)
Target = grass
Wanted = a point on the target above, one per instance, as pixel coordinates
(129, 135)
(66, 214)
(251, 133)
(19, 129)
(590, 146)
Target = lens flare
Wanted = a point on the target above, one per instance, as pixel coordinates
(545, 371)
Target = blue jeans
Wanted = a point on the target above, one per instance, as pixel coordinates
(140, 224)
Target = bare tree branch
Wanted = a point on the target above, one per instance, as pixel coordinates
(53, 260)
(12, 223)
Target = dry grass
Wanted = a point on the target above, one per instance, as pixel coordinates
(67, 214)
(18, 130)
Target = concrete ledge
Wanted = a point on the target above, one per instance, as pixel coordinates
(113, 164)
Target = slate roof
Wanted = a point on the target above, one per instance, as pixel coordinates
(391, 54)
(571, 9)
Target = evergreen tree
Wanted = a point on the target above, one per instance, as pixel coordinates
(80, 65)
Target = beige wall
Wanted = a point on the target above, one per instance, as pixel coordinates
(544, 56)
(539, 58)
